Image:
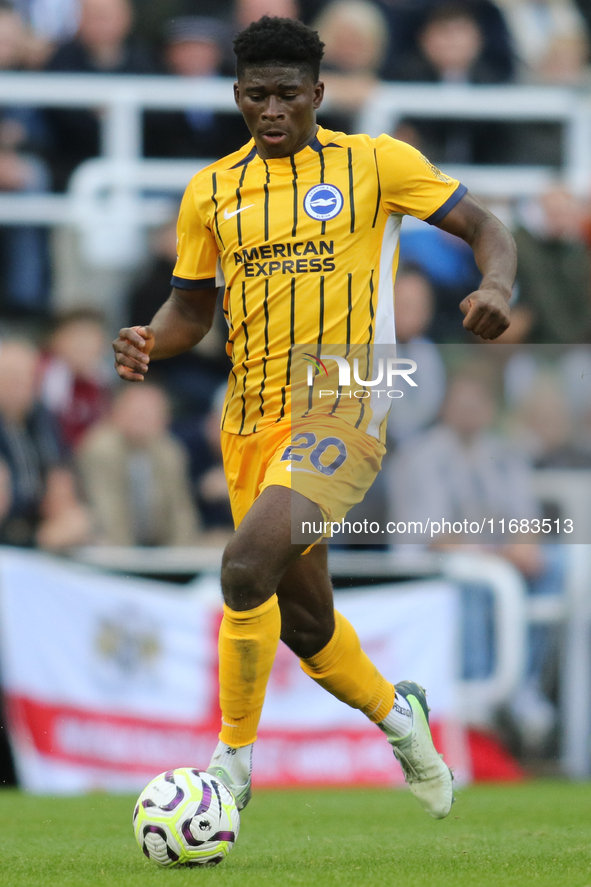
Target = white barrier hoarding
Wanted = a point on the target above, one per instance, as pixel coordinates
(109, 680)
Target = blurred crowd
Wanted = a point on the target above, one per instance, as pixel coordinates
(429, 41)
(367, 41)
(84, 460)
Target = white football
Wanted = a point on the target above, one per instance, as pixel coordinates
(186, 817)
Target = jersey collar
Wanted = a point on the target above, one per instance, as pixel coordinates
(318, 143)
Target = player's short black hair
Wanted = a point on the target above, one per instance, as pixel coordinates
(279, 41)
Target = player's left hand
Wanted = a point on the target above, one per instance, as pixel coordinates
(486, 312)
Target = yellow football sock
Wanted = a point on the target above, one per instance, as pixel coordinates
(346, 671)
(247, 645)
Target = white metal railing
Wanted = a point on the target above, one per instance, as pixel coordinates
(575, 682)
(569, 107)
(110, 202)
(113, 202)
(568, 490)
(127, 210)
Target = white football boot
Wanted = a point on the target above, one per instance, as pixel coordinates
(233, 767)
(428, 776)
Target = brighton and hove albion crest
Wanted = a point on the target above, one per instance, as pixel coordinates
(323, 202)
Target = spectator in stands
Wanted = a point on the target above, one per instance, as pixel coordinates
(554, 270)
(355, 33)
(407, 19)
(527, 369)
(459, 468)
(135, 474)
(543, 422)
(151, 16)
(551, 39)
(552, 46)
(44, 508)
(566, 62)
(76, 382)
(194, 47)
(415, 305)
(414, 308)
(450, 50)
(201, 436)
(152, 288)
(51, 22)
(539, 29)
(24, 280)
(247, 11)
(102, 45)
(450, 267)
(190, 378)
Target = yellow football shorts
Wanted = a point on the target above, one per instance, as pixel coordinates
(324, 458)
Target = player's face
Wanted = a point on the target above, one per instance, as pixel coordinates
(279, 106)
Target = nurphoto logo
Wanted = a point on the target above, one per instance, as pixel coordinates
(386, 371)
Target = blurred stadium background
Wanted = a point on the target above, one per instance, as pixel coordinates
(113, 507)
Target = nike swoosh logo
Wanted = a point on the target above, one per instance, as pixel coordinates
(290, 467)
(231, 215)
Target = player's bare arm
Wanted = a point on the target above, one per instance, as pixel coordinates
(178, 326)
(487, 309)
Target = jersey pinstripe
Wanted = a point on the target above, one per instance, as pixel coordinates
(308, 246)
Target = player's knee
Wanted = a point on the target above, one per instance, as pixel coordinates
(245, 584)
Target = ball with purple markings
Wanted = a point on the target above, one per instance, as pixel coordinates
(186, 817)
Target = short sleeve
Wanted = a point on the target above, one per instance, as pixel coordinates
(411, 184)
(197, 249)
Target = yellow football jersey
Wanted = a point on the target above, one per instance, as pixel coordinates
(308, 246)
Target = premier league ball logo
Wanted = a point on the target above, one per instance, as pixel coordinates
(323, 202)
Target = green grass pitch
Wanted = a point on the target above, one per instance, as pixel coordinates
(536, 833)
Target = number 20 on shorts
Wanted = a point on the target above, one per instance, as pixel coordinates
(308, 441)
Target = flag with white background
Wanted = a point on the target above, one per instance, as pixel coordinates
(109, 680)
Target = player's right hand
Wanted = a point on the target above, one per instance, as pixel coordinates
(132, 349)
